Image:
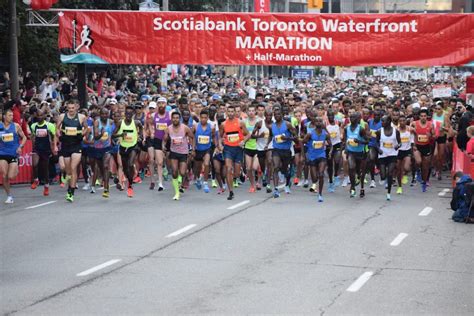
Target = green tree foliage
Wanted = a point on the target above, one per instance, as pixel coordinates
(37, 46)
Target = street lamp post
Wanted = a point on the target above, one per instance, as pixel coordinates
(13, 50)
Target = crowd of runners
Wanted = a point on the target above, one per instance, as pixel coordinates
(322, 135)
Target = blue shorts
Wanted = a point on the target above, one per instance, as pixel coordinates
(234, 153)
(98, 153)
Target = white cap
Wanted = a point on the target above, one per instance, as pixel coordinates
(415, 105)
(152, 105)
(113, 101)
(162, 99)
(365, 94)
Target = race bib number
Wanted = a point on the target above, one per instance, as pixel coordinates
(105, 136)
(41, 132)
(177, 140)
(128, 138)
(318, 144)
(405, 140)
(388, 145)
(352, 142)
(161, 126)
(233, 138)
(203, 140)
(279, 138)
(373, 133)
(423, 138)
(333, 135)
(266, 134)
(71, 131)
(7, 138)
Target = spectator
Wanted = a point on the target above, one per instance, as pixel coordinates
(470, 143)
(19, 115)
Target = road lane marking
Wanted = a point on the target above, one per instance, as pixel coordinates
(39, 205)
(99, 267)
(180, 231)
(233, 207)
(398, 240)
(360, 281)
(427, 210)
(444, 192)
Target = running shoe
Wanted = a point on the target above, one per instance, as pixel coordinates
(296, 181)
(331, 188)
(35, 184)
(345, 182)
(69, 197)
(423, 187)
(399, 190)
(276, 193)
(287, 189)
(252, 189)
(418, 176)
(382, 182)
(306, 183)
(105, 194)
(130, 192)
(214, 183)
(220, 191)
(353, 193)
(388, 197)
(337, 181)
(405, 179)
(236, 184)
(231, 196)
(198, 184)
(137, 179)
(269, 188)
(372, 184)
(206, 188)
(119, 187)
(313, 188)
(320, 198)
(147, 173)
(160, 187)
(86, 187)
(362, 193)
(116, 180)
(413, 182)
(98, 183)
(181, 189)
(176, 197)
(9, 200)
(258, 186)
(152, 186)
(92, 189)
(46, 191)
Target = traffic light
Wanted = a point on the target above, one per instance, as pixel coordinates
(315, 4)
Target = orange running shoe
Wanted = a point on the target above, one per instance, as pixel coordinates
(130, 192)
(46, 191)
(296, 181)
(137, 180)
(35, 184)
(252, 190)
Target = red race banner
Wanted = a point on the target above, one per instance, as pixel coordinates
(132, 37)
(262, 6)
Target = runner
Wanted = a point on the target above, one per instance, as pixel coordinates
(218, 158)
(232, 136)
(318, 140)
(205, 137)
(442, 126)
(264, 148)
(334, 161)
(375, 125)
(388, 142)
(424, 131)
(43, 138)
(10, 149)
(158, 124)
(282, 134)
(130, 132)
(250, 147)
(356, 139)
(72, 128)
(103, 130)
(405, 153)
(181, 144)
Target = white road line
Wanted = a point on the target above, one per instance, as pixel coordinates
(360, 282)
(233, 207)
(398, 240)
(99, 267)
(180, 231)
(427, 210)
(39, 205)
(444, 192)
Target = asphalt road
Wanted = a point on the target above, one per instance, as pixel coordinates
(255, 254)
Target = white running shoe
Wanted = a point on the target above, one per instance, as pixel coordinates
(345, 182)
(86, 187)
(287, 190)
(382, 182)
(9, 200)
(372, 184)
(92, 189)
